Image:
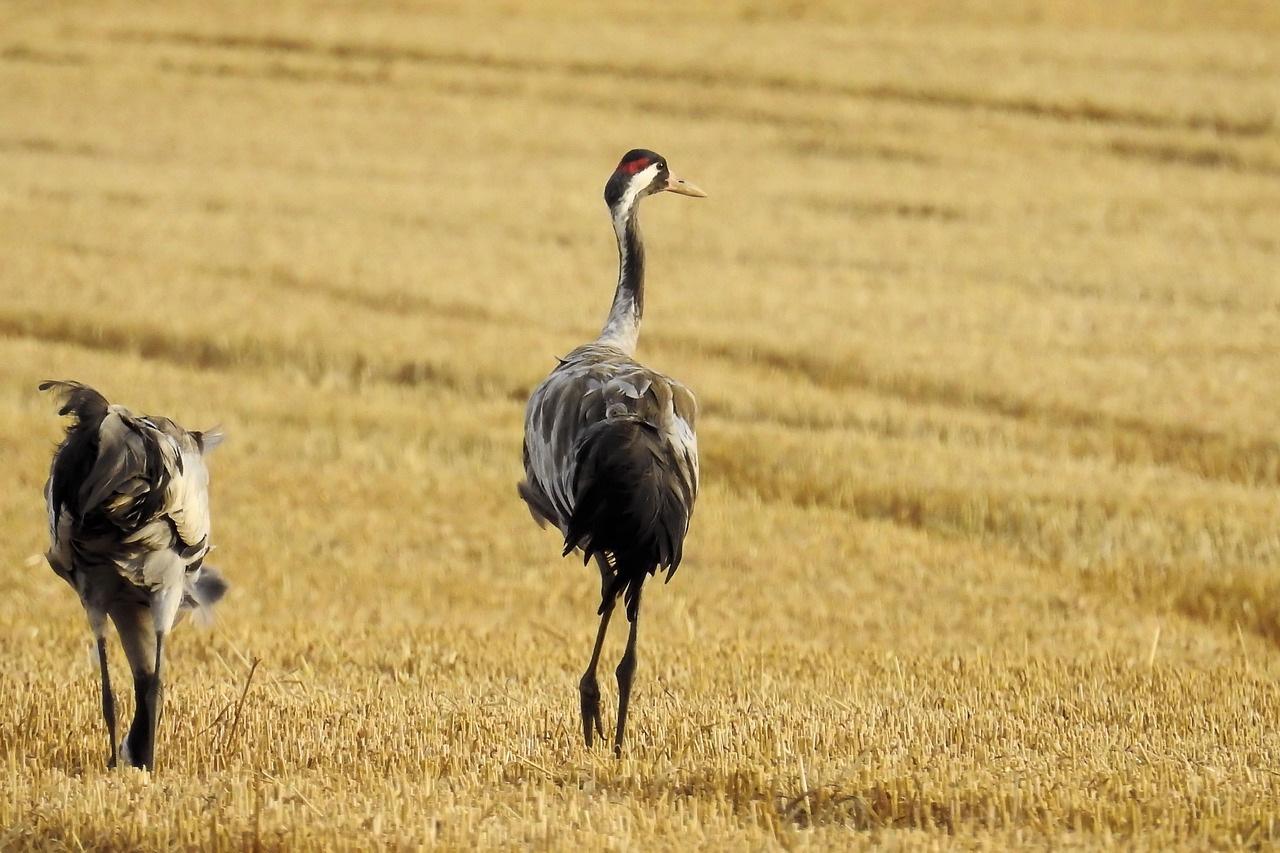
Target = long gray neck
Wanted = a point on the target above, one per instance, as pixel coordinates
(622, 329)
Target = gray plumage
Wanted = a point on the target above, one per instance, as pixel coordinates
(612, 463)
(128, 500)
(610, 452)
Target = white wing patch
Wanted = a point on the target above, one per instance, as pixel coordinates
(187, 498)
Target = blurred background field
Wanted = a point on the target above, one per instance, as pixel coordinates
(982, 312)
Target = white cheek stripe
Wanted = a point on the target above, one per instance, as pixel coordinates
(639, 182)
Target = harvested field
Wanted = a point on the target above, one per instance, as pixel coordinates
(982, 313)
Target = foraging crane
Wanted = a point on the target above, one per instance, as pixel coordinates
(610, 454)
(128, 504)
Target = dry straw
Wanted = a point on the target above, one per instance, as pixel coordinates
(981, 314)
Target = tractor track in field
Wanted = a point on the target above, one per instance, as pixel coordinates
(1252, 461)
(381, 53)
(228, 353)
(1249, 461)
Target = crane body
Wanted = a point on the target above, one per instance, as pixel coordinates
(128, 500)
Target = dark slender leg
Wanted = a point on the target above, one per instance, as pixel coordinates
(157, 699)
(149, 692)
(108, 702)
(588, 688)
(626, 669)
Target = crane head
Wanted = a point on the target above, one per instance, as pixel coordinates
(640, 173)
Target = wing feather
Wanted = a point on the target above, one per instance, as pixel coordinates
(592, 384)
(128, 490)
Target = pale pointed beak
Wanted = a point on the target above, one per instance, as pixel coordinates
(679, 185)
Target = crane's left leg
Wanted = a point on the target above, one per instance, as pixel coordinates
(98, 622)
(626, 669)
(588, 688)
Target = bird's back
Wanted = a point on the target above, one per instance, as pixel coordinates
(127, 495)
(611, 457)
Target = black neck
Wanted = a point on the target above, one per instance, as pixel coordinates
(623, 326)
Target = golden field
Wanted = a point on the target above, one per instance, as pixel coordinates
(982, 312)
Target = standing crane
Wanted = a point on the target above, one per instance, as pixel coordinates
(128, 500)
(610, 454)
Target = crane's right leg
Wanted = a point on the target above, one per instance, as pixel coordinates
(625, 672)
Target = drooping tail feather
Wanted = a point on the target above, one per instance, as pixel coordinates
(631, 502)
